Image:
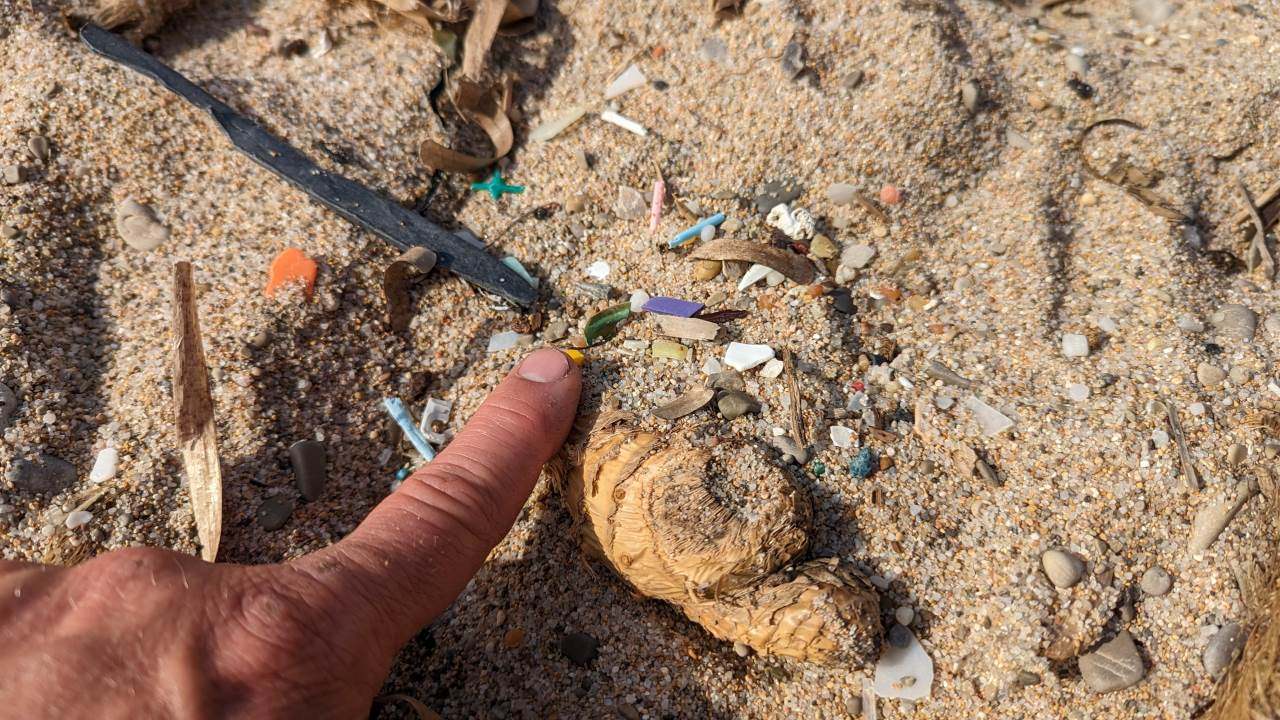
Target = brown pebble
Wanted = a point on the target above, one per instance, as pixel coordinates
(575, 204)
(1036, 102)
(514, 638)
(706, 269)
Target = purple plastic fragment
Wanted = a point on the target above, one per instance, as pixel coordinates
(671, 306)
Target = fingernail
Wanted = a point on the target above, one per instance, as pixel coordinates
(545, 365)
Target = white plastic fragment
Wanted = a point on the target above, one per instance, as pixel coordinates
(991, 420)
(638, 299)
(629, 80)
(77, 519)
(625, 123)
(434, 411)
(1075, 345)
(507, 340)
(753, 275)
(904, 672)
(598, 270)
(772, 369)
(841, 436)
(797, 223)
(744, 356)
(104, 466)
(557, 124)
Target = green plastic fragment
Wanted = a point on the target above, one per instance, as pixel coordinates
(605, 324)
(818, 468)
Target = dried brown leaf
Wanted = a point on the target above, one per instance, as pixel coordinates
(395, 284)
(1132, 180)
(793, 265)
(193, 407)
(479, 107)
(419, 708)
(689, 402)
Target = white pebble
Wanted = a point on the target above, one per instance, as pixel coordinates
(638, 299)
(708, 233)
(1159, 438)
(104, 466)
(507, 340)
(1196, 408)
(598, 270)
(743, 356)
(1078, 392)
(1075, 345)
(772, 369)
(841, 436)
(78, 518)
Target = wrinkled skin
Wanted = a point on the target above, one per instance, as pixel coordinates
(143, 632)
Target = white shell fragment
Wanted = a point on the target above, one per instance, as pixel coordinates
(77, 519)
(797, 223)
(1075, 345)
(742, 356)
(598, 270)
(904, 672)
(753, 275)
(625, 123)
(104, 466)
(558, 124)
(507, 340)
(841, 436)
(991, 420)
(629, 80)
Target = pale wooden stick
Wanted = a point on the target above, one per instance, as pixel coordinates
(193, 407)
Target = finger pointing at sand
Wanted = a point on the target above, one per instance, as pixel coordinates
(418, 548)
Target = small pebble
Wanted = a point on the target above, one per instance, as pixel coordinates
(77, 519)
(970, 96)
(579, 648)
(904, 615)
(45, 474)
(1075, 345)
(708, 233)
(857, 256)
(38, 146)
(274, 512)
(8, 405)
(743, 356)
(1237, 454)
(735, 404)
(104, 465)
(630, 204)
(1077, 392)
(1076, 64)
(841, 436)
(1156, 582)
(890, 195)
(1115, 665)
(1063, 568)
(1210, 375)
(138, 226)
(706, 269)
(823, 247)
(1235, 322)
(1222, 649)
(308, 458)
(741, 649)
(841, 193)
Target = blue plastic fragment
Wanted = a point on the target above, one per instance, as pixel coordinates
(672, 306)
(395, 407)
(514, 264)
(694, 231)
(402, 473)
(862, 465)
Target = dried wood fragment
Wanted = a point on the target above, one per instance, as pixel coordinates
(689, 402)
(1175, 430)
(793, 265)
(193, 409)
(1259, 255)
(793, 391)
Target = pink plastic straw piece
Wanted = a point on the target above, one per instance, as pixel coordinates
(655, 210)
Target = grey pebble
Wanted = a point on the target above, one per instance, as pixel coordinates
(579, 648)
(1235, 321)
(793, 60)
(841, 193)
(274, 512)
(899, 637)
(1156, 582)
(734, 404)
(1222, 649)
(1115, 665)
(1210, 375)
(1076, 64)
(45, 474)
(938, 371)
(629, 712)
(1026, 678)
(38, 146)
(791, 449)
(857, 256)
(9, 232)
(138, 226)
(775, 193)
(14, 174)
(970, 96)
(1062, 568)
(555, 330)
(308, 459)
(8, 405)
(1236, 454)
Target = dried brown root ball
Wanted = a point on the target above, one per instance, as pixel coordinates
(138, 18)
(713, 530)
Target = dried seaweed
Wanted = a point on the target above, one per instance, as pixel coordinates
(793, 392)
(395, 284)
(793, 265)
(193, 407)
(1258, 256)
(689, 402)
(721, 317)
(1126, 177)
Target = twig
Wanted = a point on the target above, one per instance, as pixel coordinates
(793, 390)
(1175, 429)
(193, 408)
(1259, 255)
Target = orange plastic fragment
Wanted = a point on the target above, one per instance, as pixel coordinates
(291, 265)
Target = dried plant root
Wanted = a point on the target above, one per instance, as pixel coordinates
(666, 515)
(137, 17)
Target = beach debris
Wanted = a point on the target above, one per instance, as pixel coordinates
(579, 648)
(938, 371)
(672, 306)
(857, 256)
(793, 60)
(696, 231)
(1156, 581)
(104, 465)
(1223, 648)
(841, 436)
(890, 195)
(496, 186)
(970, 96)
(796, 223)
(308, 459)
(274, 512)
(1136, 183)
(687, 328)
(1235, 321)
(139, 227)
(38, 147)
(735, 403)
(862, 464)
(193, 409)
(8, 405)
(796, 402)
(1075, 345)
(630, 203)
(1075, 63)
(904, 670)
(395, 407)
(506, 340)
(841, 193)
(77, 518)
(291, 266)
(435, 419)
(634, 491)
(625, 123)
(1115, 665)
(744, 356)
(43, 474)
(772, 369)
(598, 270)
(629, 80)
(602, 326)
(1062, 567)
(721, 317)
(514, 263)
(823, 247)
(552, 127)
(668, 349)
(395, 284)
(1259, 255)
(655, 203)
(690, 402)
(1190, 476)
(794, 266)
(990, 420)
(638, 300)
(1212, 519)
(753, 275)
(14, 174)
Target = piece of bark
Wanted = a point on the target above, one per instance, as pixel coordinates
(193, 407)
(793, 265)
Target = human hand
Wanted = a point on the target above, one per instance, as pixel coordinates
(143, 632)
